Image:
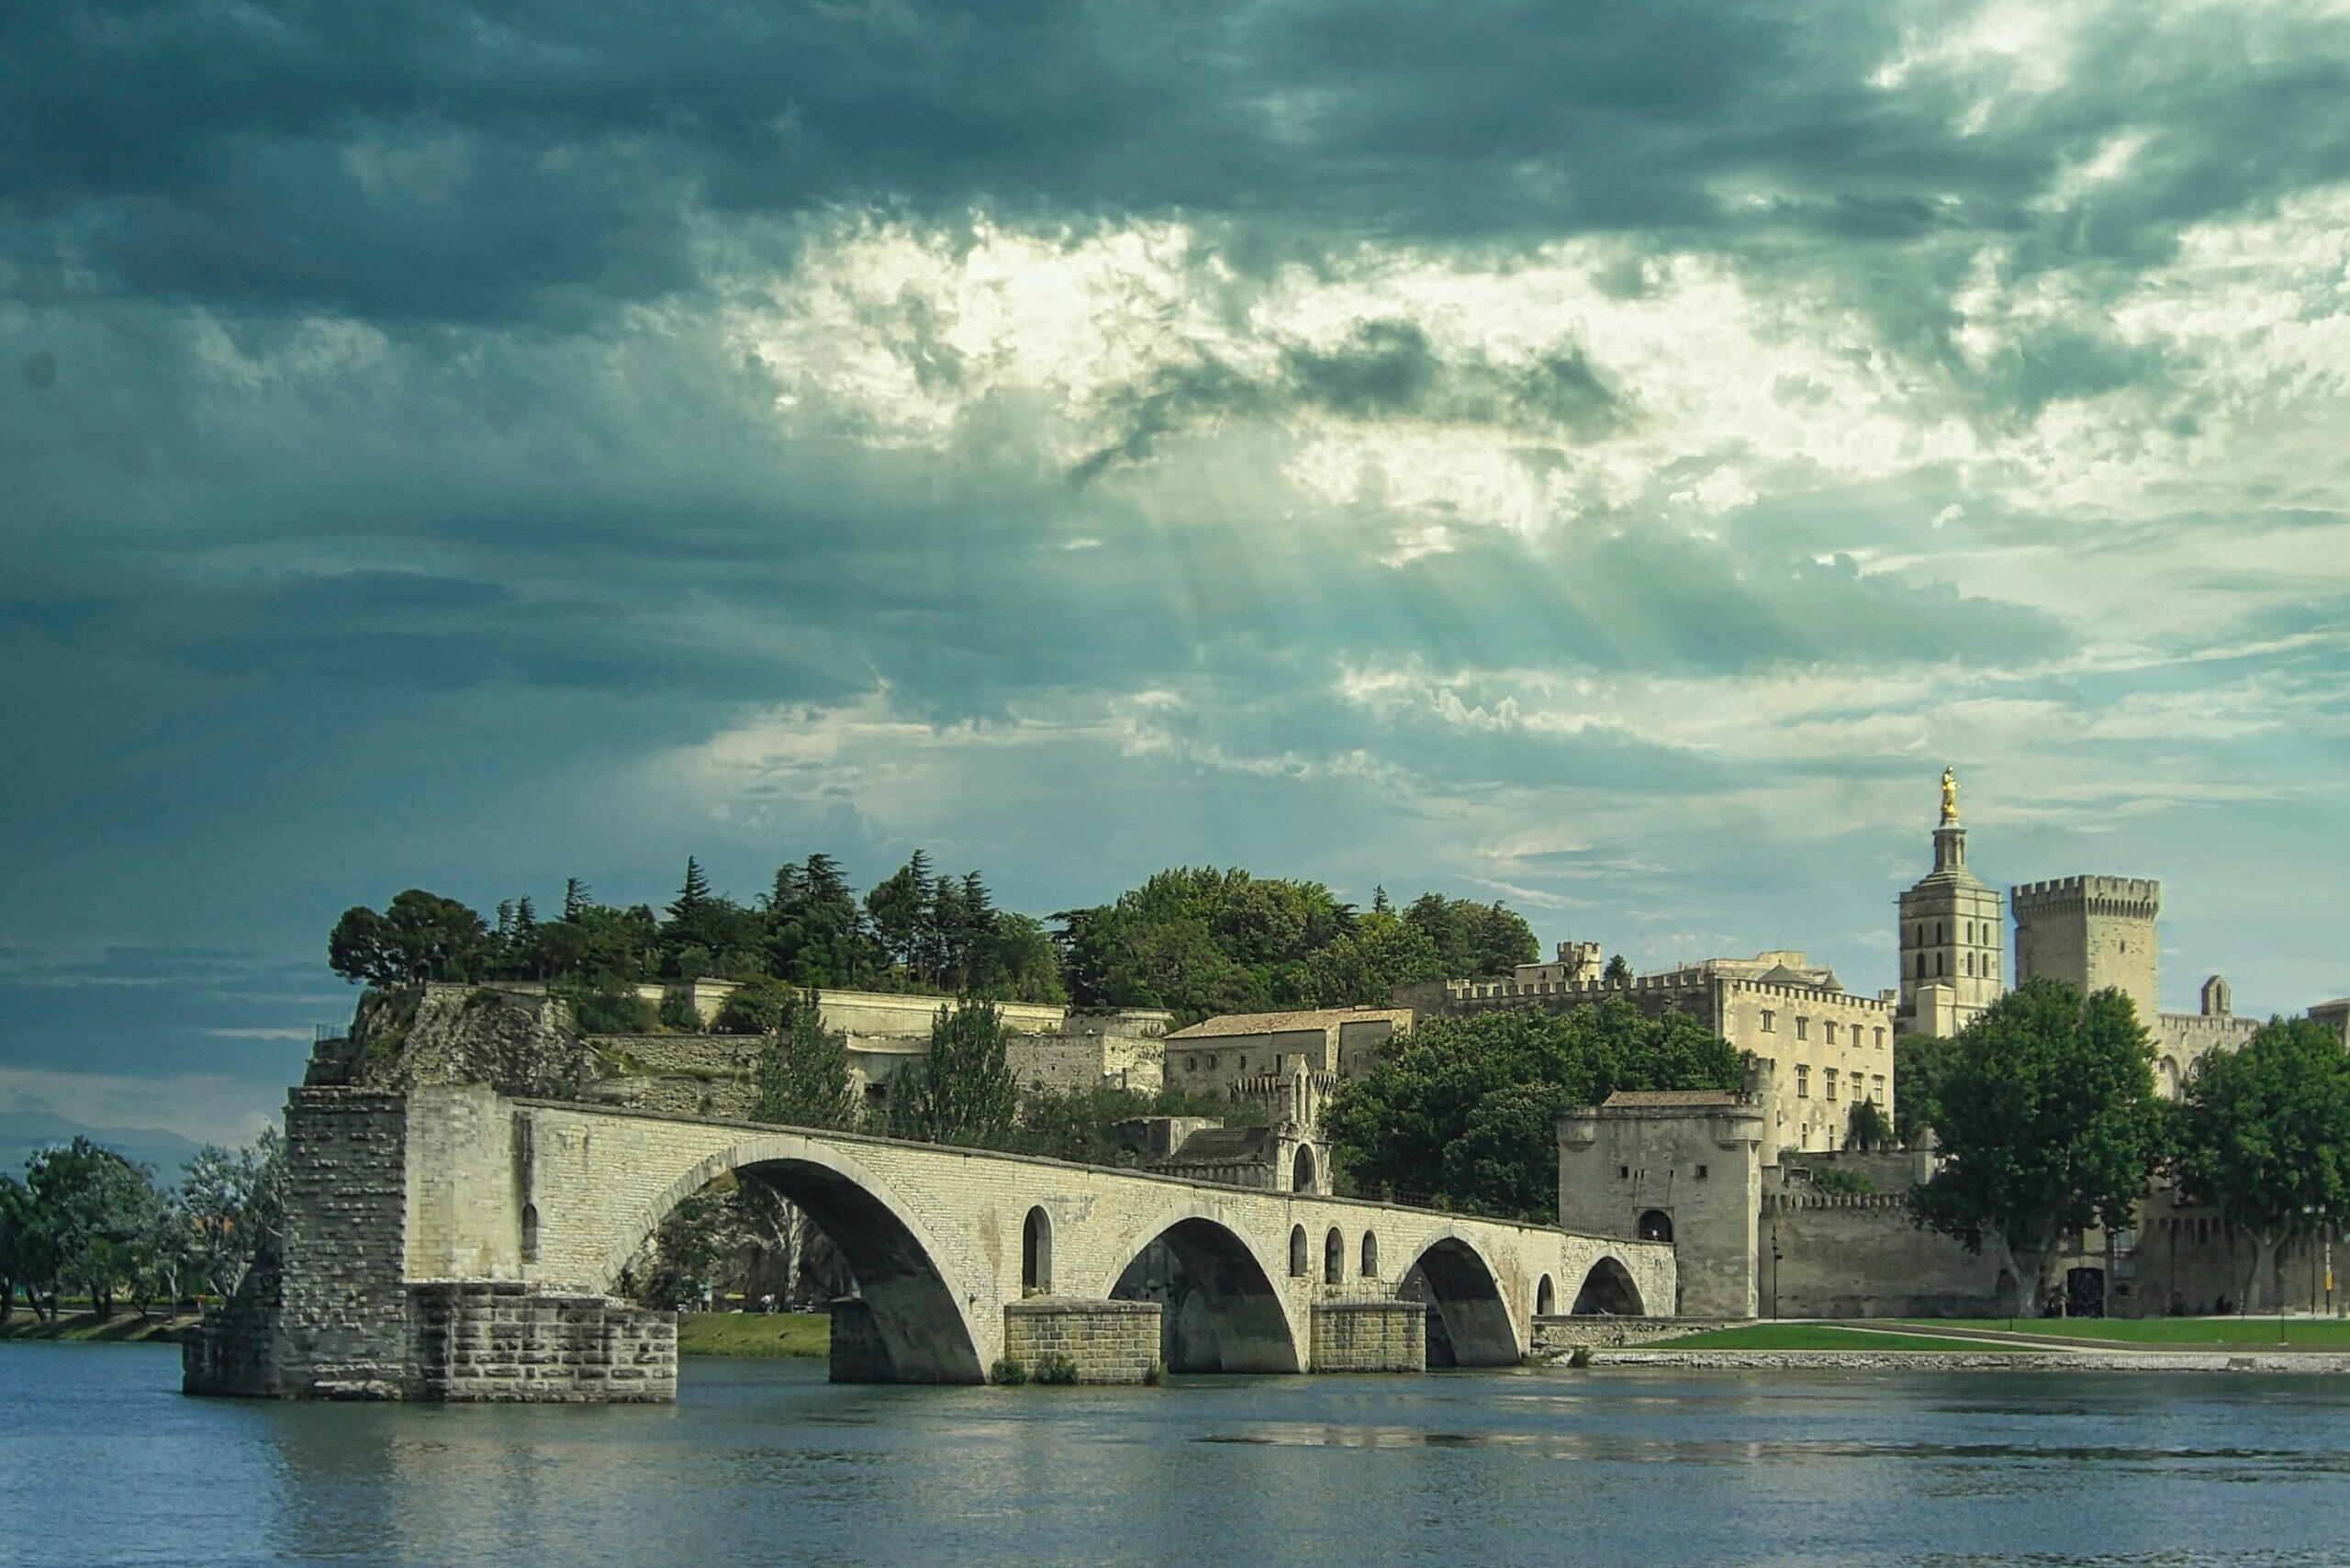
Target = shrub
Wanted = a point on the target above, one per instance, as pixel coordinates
(755, 1007)
(609, 1007)
(679, 1012)
(1839, 1182)
(1009, 1371)
(1155, 1374)
(1581, 1356)
(1056, 1369)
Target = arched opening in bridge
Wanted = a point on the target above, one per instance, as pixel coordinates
(1334, 1257)
(1297, 1252)
(1546, 1298)
(1467, 1323)
(1302, 1174)
(1655, 1226)
(1219, 1312)
(903, 1323)
(1369, 1255)
(1036, 1254)
(1608, 1289)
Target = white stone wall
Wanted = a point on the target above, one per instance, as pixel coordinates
(1805, 1034)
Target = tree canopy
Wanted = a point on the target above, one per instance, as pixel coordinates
(962, 1092)
(2263, 1136)
(2048, 1123)
(1194, 940)
(1466, 1110)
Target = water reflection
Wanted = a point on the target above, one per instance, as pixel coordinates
(101, 1461)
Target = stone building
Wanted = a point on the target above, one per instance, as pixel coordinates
(1829, 1048)
(1951, 930)
(1214, 1054)
(1683, 1167)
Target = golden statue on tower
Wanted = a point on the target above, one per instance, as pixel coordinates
(1949, 796)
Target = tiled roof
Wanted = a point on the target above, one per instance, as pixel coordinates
(1229, 1023)
(1219, 1146)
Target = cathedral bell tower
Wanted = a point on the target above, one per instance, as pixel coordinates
(1952, 935)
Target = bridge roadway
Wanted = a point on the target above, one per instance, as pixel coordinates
(396, 1194)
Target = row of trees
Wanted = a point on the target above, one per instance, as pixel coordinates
(86, 1222)
(2048, 1118)
(1464, 1112)
(1196, 940)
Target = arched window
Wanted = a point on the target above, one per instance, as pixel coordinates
(1656, 1226)
(1036, 1254)
(1922, 966)
(1297, 1252)
(530, 1233)
(1302, 1174)
(1369, 1256)
(1938, 965)
(1546, 1298)
(1938, 933)
(1970, 966)
(1334, 1257)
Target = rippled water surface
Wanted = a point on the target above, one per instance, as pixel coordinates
(102, 1462)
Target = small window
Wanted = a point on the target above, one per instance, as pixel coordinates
(1938, 965)
(1880, 1039)
(1243, 1064)
(1701, 1174)
(1623, 1174)
(1803, 1028)
(1877, 1087)
(1803, 1083)
(1769, 1022)
(1831, 1083)
(1922, 966)
(1297, 1260)
(1830, 1027)
(529, 1232)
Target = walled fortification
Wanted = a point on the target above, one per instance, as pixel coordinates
(1861, 1257)
(2092, 932)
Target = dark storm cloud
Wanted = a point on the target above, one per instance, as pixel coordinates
(431, 160)
(1382, 370)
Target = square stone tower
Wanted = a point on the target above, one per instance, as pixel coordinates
(2091, 933)
(1953, 927)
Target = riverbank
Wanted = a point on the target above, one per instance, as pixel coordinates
(2172, 1345)
(2301, 1362)
(755, 1333)
(83, 1327)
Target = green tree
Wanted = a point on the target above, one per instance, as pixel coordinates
(1473, 940)
(1467, 1109)
(28, 1249)
(2049, 1125)
(814, 935)
(1866, 1129)
(232, 1202)
(101, 1209)
(1362, 967)
(420, 936)
(901, 908)
(693, 900)
(1920, 1062)
(2264, 1138)
(964, 1092)
(803, 1077)
(1617, 972)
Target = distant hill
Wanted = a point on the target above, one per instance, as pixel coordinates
(22, 1132)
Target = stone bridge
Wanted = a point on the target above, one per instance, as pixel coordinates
(455, 1243)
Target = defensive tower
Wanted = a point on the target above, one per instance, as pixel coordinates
(1950, 934)
(2091, 933)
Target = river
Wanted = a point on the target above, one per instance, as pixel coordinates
(102, 1462)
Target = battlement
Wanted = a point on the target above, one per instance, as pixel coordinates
(1881, 1002)
(2140, 897)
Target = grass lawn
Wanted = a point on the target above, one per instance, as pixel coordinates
(754, 1334)
(1808, 1336)
(123, 1328)
(2332, 1333)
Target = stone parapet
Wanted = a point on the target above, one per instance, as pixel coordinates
(1370, 1336)
(1109, 1341)
(1558, 1336)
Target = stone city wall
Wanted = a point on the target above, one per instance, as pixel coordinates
(1832, 1256)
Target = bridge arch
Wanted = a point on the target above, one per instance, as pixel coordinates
(921, 1318)
(1223, 1306)
(1607, 1287)
(1470, 1324)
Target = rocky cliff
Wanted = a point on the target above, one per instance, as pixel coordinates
(517, 1042)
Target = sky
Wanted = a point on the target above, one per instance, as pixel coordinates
(1605, 458)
